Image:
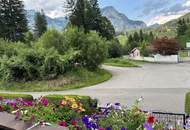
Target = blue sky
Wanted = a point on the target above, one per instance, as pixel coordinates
(150, 11)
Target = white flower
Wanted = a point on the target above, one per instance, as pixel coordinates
(141, 99)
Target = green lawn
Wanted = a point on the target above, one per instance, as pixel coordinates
(183, 54)
(121, 62)
(76, 79)
(122, 39)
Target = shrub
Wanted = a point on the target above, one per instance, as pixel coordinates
(166, 46)
(53, 39)
(92, 47)
(89, 104)
(20, 62)
(13, 96)
(187, 103)
(114, 49)
(144, 50)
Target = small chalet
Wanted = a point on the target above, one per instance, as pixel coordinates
(135, 53)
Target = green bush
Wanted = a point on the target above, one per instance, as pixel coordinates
(13, 96)
(53, 55)
(92, 47)
(114, 49)
(54, 39)
(89, 104)
(20, 62)
(187, 103)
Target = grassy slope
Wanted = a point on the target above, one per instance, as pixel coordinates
(73, 80)
(122, 39)
(120, 62)
(168, 29)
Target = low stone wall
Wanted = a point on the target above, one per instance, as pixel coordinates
(8, 122)
(166, 59)
(158, 59)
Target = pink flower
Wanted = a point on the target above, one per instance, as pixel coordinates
(13, 104)
(44, 102)
(18, 115)
(100, 129)
(62, 123)
(28, 103)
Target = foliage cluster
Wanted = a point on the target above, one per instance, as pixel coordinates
(53, 54)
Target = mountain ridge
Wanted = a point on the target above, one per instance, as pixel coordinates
(120, 21)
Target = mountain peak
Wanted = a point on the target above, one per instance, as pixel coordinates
(120, 21)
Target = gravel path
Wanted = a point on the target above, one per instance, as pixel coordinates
(163, 87)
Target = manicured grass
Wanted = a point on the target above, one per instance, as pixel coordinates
(13, 96)
(121, 62)
(183, 54)
(77, 78)
(122, 39)
(187, 103)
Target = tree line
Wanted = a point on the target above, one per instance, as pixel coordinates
(85, 14)
(183, 31)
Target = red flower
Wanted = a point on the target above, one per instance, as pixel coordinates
(62, 123)
(74, 122)
(1, 108)
(151, 119)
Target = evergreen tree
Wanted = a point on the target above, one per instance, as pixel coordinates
(86, 14)
(136, 37)
(141, 35)
(13, 22)
(181, 27)
(130, 38)
(78, 15)
(151, 37)
(188, 21)
(106, 29)
(40, 23)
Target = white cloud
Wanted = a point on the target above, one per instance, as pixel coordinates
(162, 19)
(53, 8)
(187, 3)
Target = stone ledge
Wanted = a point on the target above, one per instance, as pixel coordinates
(8, 122)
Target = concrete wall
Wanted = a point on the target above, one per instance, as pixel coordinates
(166, 59)
(158, 59)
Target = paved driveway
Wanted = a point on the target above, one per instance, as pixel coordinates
(163, 87)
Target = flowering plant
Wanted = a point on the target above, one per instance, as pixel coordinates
(69, 112)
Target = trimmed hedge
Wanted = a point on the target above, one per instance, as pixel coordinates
(13, 96)
(89, 104)
(187, 103)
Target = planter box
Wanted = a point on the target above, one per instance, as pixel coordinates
(8, 122)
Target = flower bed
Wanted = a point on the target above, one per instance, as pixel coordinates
(69, 111)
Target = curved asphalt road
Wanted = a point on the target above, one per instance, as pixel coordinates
(163, 87)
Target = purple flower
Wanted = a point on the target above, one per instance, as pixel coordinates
(123, 128)
(8, 101)
(44, 102)
(147, 126)
(117, 104)
(19, 100)
(108, 128)
(85, 120)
